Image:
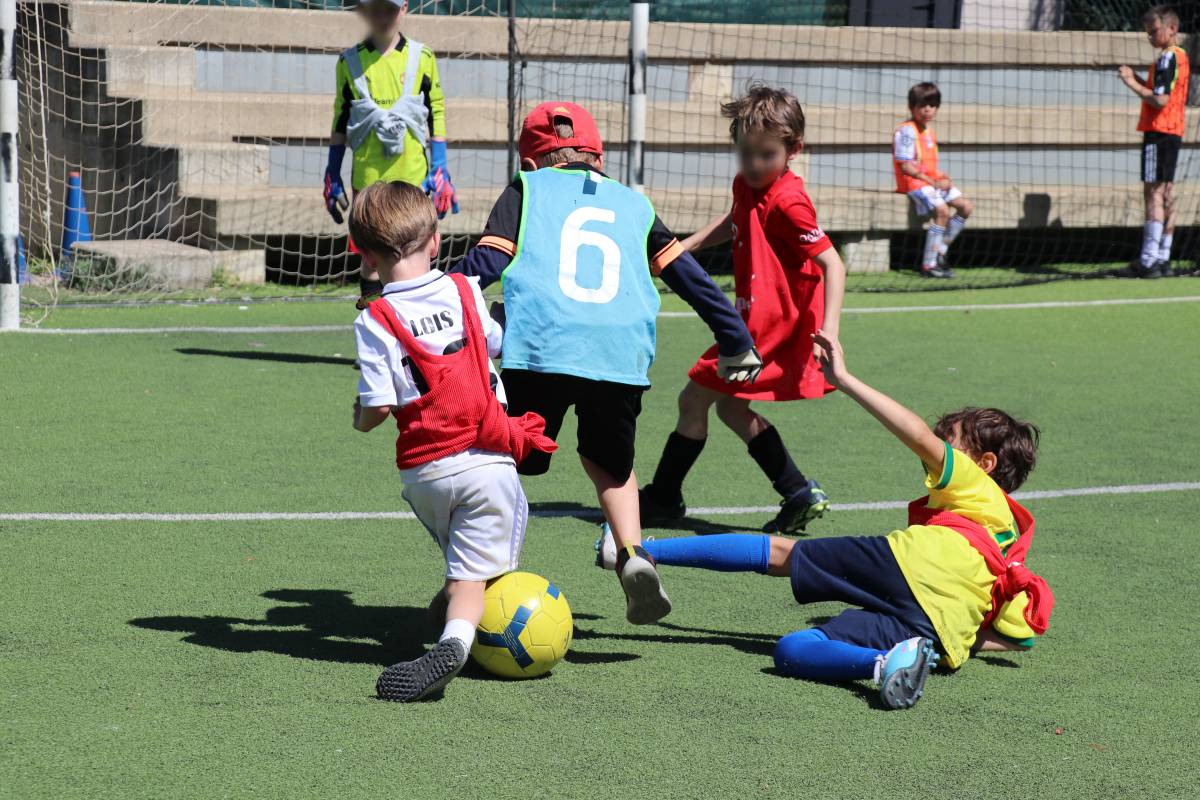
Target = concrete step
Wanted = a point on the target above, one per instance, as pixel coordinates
(163, 265)
(100, 24)
(235, 212)
(177, 116)
(132, 69)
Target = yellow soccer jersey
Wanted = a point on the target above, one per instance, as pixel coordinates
(946, 573)
(385, 80)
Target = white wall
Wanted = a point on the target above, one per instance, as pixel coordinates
(1013, 15)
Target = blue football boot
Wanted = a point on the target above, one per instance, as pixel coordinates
(900, 675)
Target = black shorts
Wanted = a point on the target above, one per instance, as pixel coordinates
(607, 414)
(1160, 155)
(860, 571)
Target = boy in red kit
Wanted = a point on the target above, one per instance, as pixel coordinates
(789, 282)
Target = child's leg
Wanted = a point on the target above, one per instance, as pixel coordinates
(683, 446)
(725, 552)
(934, 235)
(463, 612)
(1152, 232)
(954, 227)
(812, 655)
(1168, 234)
(765, 445)
(619, 502)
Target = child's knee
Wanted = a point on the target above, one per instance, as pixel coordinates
(693, 400)
(965, 208)
(941, 214)
(779, 561)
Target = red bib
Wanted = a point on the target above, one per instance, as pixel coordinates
(459, 411)
(1012, 577)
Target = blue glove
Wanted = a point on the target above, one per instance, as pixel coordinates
(437, 183)
(336, 201)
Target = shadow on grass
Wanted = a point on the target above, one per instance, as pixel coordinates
(752, 643)
(266, 355)
(327, 625)
(868, 694)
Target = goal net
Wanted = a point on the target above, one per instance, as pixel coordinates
(197, 131)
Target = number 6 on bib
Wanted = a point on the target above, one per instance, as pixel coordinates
(575, 237)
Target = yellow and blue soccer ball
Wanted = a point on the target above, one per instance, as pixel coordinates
(526, 628)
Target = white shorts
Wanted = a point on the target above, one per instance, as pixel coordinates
(927, 198)
(476, 516)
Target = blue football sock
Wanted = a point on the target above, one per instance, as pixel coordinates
(812, 655)
(723, 552)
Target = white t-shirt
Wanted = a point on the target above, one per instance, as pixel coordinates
(433, 312)
(904, 144)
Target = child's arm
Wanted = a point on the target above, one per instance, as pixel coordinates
(835, 290)
(336, 202)
(1142, 88)
(990, 641)
(488, 259)
(437, 183)
(719, 231)
(904, 424)
(367, 418)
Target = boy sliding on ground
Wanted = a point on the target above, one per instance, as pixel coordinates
(576, 252)
(953, 581)
(1164, 97)
(388, 105)
(789, 282)
(915, 162)
(423, 347)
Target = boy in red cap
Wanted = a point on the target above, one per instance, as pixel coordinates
(789, 282)
(576, 252)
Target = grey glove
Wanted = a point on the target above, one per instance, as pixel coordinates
(742, 368)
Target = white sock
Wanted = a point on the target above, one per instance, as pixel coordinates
(1151, 234)
(459, 629)
(954, 229)
(1164, 246)
(933, 245)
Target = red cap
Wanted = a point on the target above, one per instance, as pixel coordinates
(538, 136)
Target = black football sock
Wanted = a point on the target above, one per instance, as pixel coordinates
(678, 456)
(776, 462)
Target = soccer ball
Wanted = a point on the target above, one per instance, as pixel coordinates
(526, 627)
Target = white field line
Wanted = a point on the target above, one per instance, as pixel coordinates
(324, 516)
(254, 329)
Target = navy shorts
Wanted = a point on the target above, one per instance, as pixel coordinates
(860, 571)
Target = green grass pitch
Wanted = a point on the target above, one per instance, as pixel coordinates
(148, 659)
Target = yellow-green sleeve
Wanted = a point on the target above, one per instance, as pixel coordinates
(437, 100)
(1010, 622)
(341, 98)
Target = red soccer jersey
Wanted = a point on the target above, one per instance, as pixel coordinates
(780, 291)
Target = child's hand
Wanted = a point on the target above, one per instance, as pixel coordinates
(1125, 73)
(942, 184)
(828, 352)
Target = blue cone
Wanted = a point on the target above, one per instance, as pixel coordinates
(76, 227)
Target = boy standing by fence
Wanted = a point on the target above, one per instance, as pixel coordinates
(1164, 98)
(388, 106)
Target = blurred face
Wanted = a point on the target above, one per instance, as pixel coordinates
(1160, 33)
(762, 158)
(924, 114)
(382, 18)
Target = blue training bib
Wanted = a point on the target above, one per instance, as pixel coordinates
(578, 295)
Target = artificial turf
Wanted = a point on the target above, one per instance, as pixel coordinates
(237, 659)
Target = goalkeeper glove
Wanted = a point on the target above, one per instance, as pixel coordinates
(336, 201)
(437, 183)
(742, 368)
